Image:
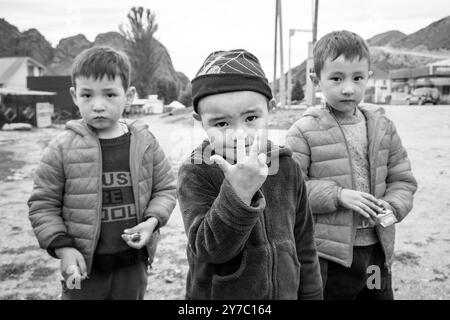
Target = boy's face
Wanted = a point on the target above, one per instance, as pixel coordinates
(343, 82)
(225, 116)
(101, 101)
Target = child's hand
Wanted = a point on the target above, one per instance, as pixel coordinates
(144, 229)
(249, 172)
(71, 257)
(363, 203)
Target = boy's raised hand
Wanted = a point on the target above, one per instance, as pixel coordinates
(144, 229)
(249, 172)
(363, 203)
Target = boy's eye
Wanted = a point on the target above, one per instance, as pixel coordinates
(359, 78)
(336, 79)
(111, 95)
(85, 95)
(251, 118)
(221, 124)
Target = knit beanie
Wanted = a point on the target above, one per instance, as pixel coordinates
(227, 71)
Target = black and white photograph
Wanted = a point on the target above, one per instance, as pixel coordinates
(225, 151)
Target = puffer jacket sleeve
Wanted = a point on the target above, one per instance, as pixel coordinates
(322, 194)
(217, 225)
(310, 278)
(45, 202)
(400, 182)
(163, 198)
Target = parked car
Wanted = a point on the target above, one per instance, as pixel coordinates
(423, 95)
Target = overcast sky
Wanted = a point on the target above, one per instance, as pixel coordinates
(190, 30)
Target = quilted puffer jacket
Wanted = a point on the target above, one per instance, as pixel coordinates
(320, 147)
(67, 193)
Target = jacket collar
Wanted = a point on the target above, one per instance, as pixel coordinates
(322, 113)
(83, 129)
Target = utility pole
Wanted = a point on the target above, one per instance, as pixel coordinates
(282, 86)
(282, 79)
(316, 13)
(274, 83)
(310, 92)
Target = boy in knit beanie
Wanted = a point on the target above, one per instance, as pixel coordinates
(243, 199)
(357, 172)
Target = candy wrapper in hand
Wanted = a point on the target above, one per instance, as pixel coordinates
(386, 218)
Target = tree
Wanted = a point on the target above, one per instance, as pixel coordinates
(297, 92)
(166, 90)
(144, 58)
(186, 98)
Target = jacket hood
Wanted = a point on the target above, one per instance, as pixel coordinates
(83, 129)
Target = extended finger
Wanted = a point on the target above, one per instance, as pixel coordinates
(371, 205)
(360, 211)
(255, 147)
(240, 146)
(367, 209)
(262, 159)
(221, 162)
(370, 197)
(82, 265)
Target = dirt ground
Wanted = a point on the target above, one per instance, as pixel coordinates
(422, 259)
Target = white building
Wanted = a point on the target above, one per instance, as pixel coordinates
(378, 87)
(15, 70)
(433, 75)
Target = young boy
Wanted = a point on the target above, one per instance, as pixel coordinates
(103, 188)
(355, 165)
(249, 226)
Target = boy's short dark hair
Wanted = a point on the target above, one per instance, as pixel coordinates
(99, 61)
(337, 43)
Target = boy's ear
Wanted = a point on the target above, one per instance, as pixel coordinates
(272, 104)
(73, 94)
(131, 92)
(196, 116)
(314, 78)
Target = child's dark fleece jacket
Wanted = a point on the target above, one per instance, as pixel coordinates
(235, 251)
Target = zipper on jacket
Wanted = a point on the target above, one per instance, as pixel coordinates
(373, 184)
(135, 180)
(351, 175)
(99, 206)
(272, 288)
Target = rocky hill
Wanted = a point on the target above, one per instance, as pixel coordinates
(29, 43)
(386, 38)
(59, 60)
(434, 37)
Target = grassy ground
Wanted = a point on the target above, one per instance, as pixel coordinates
(422, 259)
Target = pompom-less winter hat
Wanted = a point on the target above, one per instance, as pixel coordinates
(227, 71)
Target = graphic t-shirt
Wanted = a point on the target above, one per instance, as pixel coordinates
(118, 208)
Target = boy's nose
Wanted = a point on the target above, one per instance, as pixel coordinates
(348, 89)
(98, 105)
